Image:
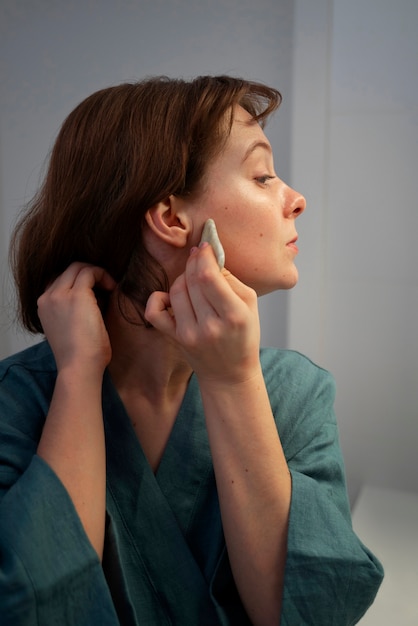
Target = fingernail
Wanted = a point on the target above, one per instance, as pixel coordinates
(193, 249)
(203, 244)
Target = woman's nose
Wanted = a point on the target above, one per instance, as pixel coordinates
(296, 203)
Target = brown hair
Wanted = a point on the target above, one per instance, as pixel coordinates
(121, 151)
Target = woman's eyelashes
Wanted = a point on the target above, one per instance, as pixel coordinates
(264, 179)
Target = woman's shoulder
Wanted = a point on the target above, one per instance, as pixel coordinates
(27, 380)
(28, 372)
(294, 367)
(36, 358)
(302, 395)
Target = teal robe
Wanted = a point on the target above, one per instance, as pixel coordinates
(165, 561)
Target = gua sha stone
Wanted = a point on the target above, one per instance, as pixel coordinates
(210, 235)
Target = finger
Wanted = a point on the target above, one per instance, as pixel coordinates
(158, 312)
(209, 290)
(93, 276)
(183, 309)
(243, 291)
(66, 278)
(85, 275)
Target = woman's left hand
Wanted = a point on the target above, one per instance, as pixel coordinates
(214, 318)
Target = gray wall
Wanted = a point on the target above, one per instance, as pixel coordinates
(56, 52)
(347, 136)
(355, 154)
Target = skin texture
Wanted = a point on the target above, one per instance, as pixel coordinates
(207, 323)
(254, 210)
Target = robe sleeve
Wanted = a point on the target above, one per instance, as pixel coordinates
(331, 577)
(49, 571)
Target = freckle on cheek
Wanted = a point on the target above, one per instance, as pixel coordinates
(261, 235)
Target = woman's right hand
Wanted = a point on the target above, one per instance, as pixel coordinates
(72, 320)
(72, 441)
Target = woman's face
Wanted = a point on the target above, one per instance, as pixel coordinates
(253, 209)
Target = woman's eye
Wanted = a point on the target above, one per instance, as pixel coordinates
(264, 179)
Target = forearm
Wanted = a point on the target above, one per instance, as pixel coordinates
(72, 443)
(254, 487)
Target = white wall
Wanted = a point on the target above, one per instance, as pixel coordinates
(355, 154)
(56, 52)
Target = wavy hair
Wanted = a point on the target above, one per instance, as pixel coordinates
(119, 152)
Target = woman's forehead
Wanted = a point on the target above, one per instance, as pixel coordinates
(246, 133)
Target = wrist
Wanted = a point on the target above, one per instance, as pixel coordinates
(237, 382)
(80, 376)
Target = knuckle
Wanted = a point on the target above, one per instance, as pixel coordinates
(79, 266)
(233, 318)
(188, 338)
(40, 301)
(235, 321)
(204, 276)
(212, 330)
(250, 294)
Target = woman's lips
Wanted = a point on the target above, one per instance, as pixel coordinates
(292, 244)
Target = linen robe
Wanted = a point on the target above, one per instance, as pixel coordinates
(165, 560)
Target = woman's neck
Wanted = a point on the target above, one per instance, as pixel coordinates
(144, 361)
(150, 375)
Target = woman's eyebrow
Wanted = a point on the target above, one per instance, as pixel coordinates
(257, 144)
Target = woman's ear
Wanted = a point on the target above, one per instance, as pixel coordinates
(169, 221)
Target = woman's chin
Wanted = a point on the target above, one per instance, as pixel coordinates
(285, 282)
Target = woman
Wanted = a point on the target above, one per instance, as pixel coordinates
(157, 468)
